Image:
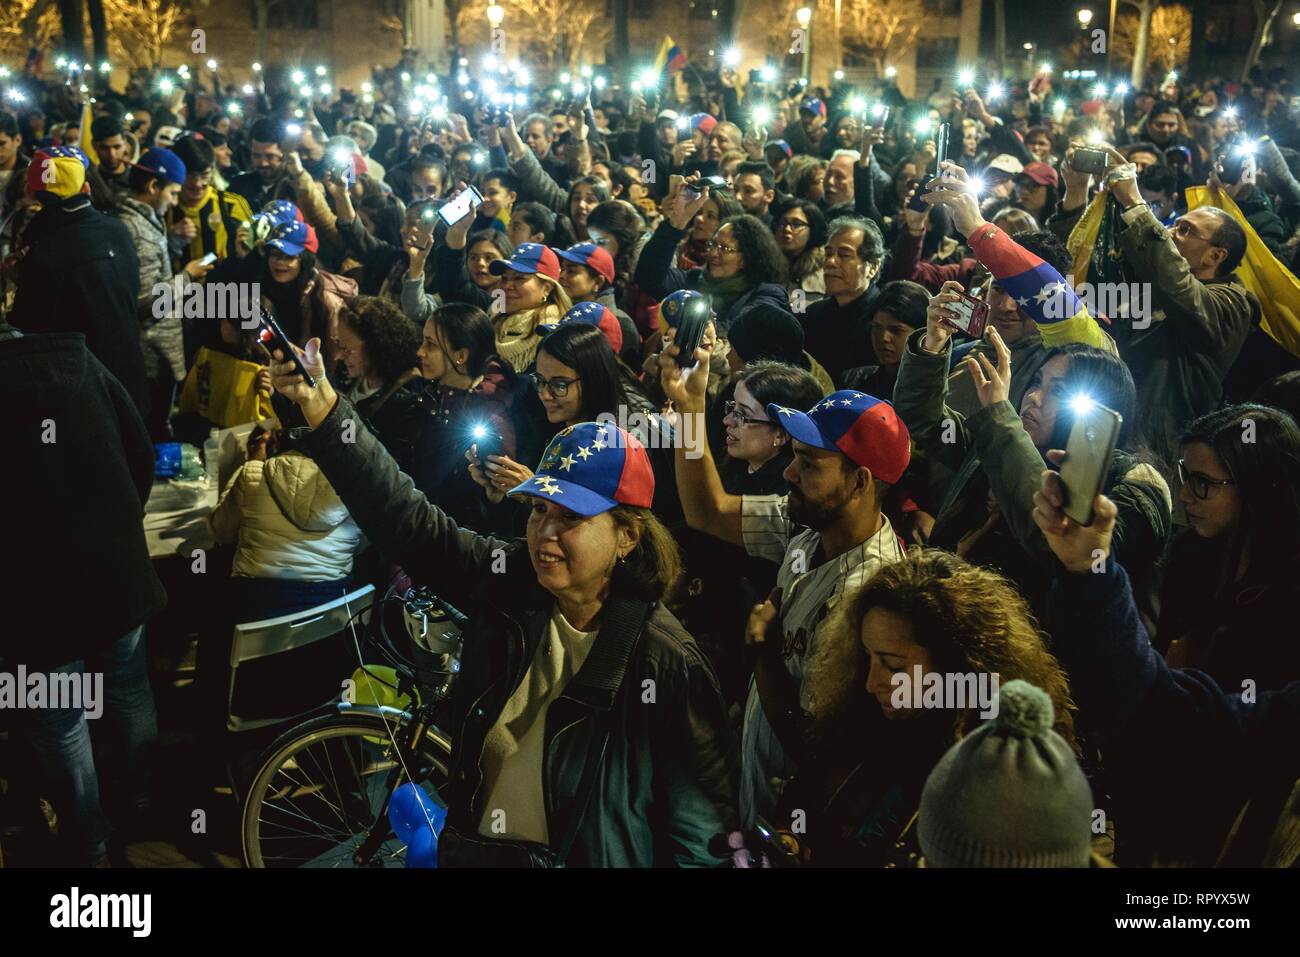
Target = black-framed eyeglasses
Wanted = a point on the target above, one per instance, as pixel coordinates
(557, 387)
(1198, 484)
(794, 224)
(731, 410)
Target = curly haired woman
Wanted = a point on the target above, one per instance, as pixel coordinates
(869, 753)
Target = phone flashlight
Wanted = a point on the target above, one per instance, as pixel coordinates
(293, 129)
(1081, 403)
(762, 115)
(966, 78)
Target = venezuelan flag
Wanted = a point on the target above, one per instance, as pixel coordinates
(1042, 293)
(84, 137)
(670, 58)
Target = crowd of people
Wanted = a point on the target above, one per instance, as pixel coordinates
(836, 490)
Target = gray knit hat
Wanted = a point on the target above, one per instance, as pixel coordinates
(1010, 794)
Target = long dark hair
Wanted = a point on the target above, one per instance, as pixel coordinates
(464, 326)
(386, 213)
(288, 299)
(606, 382)
(622, 221)
(1259, 448)
(764, 261)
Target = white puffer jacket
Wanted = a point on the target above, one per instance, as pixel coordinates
(288, 521)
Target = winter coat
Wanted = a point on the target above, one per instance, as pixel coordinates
(80, 471)
(656, 275)
(162, 341)
(80, 273)
(667, 782)
(1182, 754)
(991, 451)
(287, 521)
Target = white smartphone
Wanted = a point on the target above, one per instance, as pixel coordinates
(457, 209)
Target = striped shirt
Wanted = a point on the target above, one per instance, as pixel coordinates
(808, 593)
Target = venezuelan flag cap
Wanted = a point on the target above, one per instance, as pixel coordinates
(60, 170)
(591, 468)
(860, 426)
(592, 314)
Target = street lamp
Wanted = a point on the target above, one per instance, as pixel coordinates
(1295, 18)
(804, 16)
(495, 15)
(1085, 18)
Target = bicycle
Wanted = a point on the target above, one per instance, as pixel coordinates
(320, 796)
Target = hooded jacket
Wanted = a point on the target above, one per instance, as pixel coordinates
(287, 521)
(80, 471)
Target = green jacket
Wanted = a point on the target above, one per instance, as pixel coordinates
(990, 451)
(1196, 330)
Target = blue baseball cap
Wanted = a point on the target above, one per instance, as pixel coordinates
(280, 211)
(592, 256)
(675, 304)
(857, 425)
(292, 238)
(591, 468)
(529, 257)
(782, 145)
(163, 164)
(813, 105)
(594, 314)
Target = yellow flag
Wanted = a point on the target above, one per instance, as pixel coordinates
(1084, 237)
(83, 140)
(1262, 273)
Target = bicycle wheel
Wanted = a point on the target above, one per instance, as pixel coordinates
(322, 793)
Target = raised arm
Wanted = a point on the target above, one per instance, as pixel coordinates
(382, 500)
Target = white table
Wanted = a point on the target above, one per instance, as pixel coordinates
(175, 519)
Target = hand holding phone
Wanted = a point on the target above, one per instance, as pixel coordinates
(272, 336)
(1087, 457)
(455, 210)
(696, 315)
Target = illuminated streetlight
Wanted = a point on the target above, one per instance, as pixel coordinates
(495, 15)
(257, 68)
(804, 16)
(1085, 17)
(212, 64)
(320, 71)
(106, 67)
(891, 72)
(839, 74)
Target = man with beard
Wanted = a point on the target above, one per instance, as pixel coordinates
(267, 179)
(827, 532)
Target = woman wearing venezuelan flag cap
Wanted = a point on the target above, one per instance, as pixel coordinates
(588, 729)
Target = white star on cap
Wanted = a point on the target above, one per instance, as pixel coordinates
(846, 402)
(828, 404)
(584, 452)
(603, 430)
(567, 462)
(598, 444)
(1023, 302)
(784, 411)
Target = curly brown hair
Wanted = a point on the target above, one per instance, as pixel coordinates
(391, 339)
(970, 619)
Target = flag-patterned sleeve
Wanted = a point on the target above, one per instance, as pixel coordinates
(1042, 293)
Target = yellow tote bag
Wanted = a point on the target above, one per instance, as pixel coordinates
(223, 390)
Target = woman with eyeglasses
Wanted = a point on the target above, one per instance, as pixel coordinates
(752, 453)
(467, 387)
(744, 265)
(1230, 578)
(577, 379)
(693, 252)
(801, 234)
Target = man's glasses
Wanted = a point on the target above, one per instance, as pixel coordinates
(1199, 485)
(733, 411)
(557, 387)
